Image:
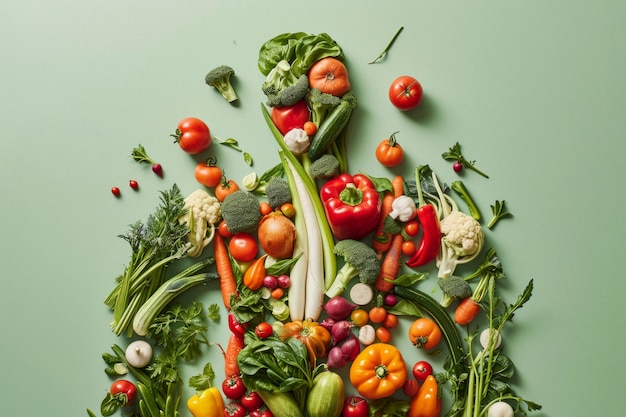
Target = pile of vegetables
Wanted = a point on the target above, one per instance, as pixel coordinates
(317, 266)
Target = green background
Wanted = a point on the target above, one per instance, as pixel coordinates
(534, 91)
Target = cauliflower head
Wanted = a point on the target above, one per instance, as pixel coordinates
(203, 213)
(462, 233)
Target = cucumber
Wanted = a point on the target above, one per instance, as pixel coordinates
(281, 404)
(330, 128)
(326, 396)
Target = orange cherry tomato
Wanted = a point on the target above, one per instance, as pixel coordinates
(383, 334)
(424, 333)
(377, 314)
(412, 228)
(391, 321)
(224, 188)
(309, 128)
(389, 152)
(408, 248)
(265, 208)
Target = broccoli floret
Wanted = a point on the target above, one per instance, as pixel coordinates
(454, 287)
(219, 78)
(278, 193)
(283, 88)
(326, 166)
(320, 103)
(359, 259)
(241, 212)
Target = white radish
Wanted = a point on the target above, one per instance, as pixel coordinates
(367, 334)
(500, 409)
(361, 293)
(488, 334)
(139, 354)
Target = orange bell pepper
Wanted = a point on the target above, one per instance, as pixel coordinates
(378, 371)
(315, 337)
(427, 402)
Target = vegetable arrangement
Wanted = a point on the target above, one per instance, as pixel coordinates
(318, 269)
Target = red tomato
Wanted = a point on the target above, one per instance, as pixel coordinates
(234, 409)
(412, 228)
(222, 229)
(410, 387)
(251, 400)
(243, 247)
(355, 406)
(224, 188)
(408, 248)
(389, 152)
(124, 388)
(192, 135)
(263, 330)
(405, 93)
(290, 117)
(208, 174)
(233, 387)
(421, 370)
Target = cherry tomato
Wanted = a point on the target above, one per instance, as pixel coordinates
(408, 248)
(391, 321)
(424, 333)
(405, 93)
(124, 390)
(410, 387)
(412, 228)
(234, 409)
(265, 208)
(133, 184)
(251, 400)
(377, 314)
(421, 370)
(116, 191)
(208, 174)
(222, 229)
(389, 152)
(309, 128)
(261, 412)
(383, 334)
(233, 387)
(359, 317)
(263, 330)
(288, 210)
(290, 117)
(355, 406)
(243, 247)
(224, 188)
(192, 135)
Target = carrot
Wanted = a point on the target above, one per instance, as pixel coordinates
(382, 240)
(466, 311)
(228, 284)
(235, 344)
(390, 266)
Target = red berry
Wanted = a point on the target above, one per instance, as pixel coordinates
(457, 167)
(116, 191)
(133, 184)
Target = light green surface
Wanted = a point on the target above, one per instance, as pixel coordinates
(534, 91)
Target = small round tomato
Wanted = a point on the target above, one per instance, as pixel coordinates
(265, 208)
(192, 135)
(208, 173)
(224, 188)
(424, 333)
(355, 406)
(234, 409)
(410, 387)
(223, 231)
(389, 152)
(310, 128)
(233, 387)
(263, 330)
(124, 390)
(405, 93)
(408, 248)
(251, 400)
(359, 317)
(391, 321)
(377, 314)
(421, 370)
(412, 228)
(383, 334)
(243, 247)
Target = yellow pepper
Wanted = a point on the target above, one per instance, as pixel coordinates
(208, 404)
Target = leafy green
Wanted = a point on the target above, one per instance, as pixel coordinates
(214, 312)
(204, 380)
(181, 331)
(498, 212)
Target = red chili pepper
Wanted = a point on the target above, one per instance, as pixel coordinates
(235, 326)
(352, 206)
(428, 247)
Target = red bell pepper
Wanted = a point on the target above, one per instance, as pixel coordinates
(290, 117)
(352, 206)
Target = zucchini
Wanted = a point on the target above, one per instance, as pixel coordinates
(281, 404)
(332, 125)
(326, 396)
(162, 297)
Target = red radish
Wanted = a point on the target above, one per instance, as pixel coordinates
(339, 308)
(284, 281)
(390, 300)
(157, 169)
(270, 282)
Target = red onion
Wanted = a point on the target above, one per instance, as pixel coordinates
(339, 308)
(351, 347)
(341, 330)
(390, 300)
(336, 358)
(328, 323)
